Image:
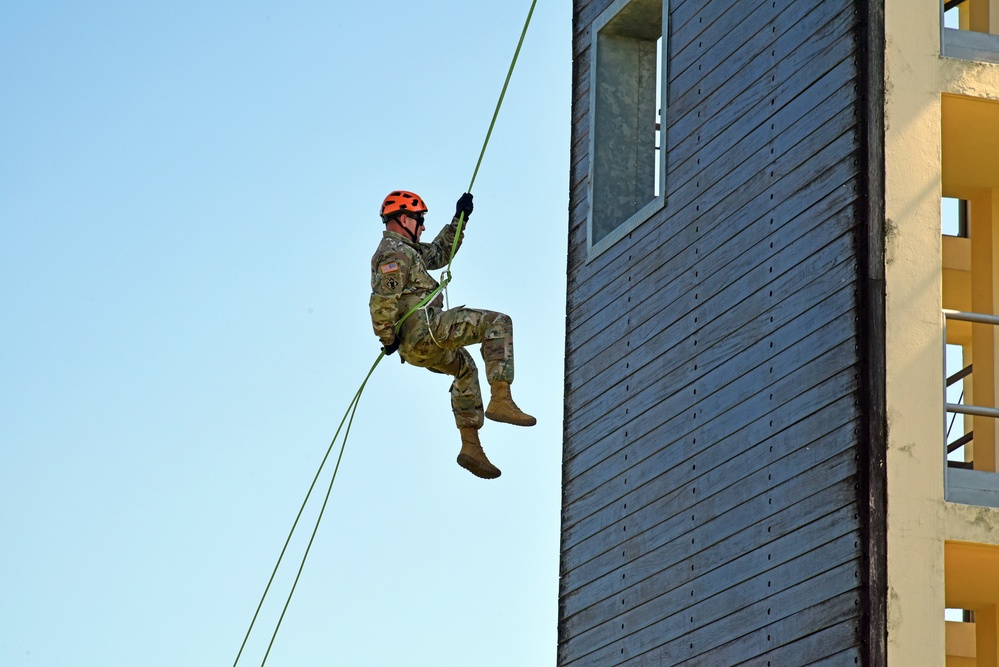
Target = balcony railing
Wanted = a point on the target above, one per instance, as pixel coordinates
(955, 409)
(963, 484)
(966, 44)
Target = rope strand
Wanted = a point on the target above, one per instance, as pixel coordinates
(352, 410)
(294, 525)
(489, 132)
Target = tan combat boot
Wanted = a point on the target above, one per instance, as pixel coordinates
(472, 458)
(502, 408)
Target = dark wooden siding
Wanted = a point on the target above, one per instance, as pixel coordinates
(715, 482)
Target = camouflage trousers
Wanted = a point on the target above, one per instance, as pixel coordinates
(436, 340)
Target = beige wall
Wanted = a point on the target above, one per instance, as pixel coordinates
(916, 630)
(919, 521)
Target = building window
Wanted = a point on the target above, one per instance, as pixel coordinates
(954, 217)
(952, 13)
(627, 88)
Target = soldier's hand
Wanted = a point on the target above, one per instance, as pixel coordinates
(391, 347)
(464, 205)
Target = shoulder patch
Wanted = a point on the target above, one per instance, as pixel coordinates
(391, 267)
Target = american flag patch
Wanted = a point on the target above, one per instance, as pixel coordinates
(389, 268)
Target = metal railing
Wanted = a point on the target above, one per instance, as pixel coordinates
(953, 446)
(966, 44)
(961, 408)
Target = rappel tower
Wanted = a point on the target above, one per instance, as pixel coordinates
(782, 334)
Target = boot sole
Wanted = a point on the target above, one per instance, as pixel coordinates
(506, 420)
(477, 469)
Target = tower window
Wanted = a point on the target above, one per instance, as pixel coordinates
(627, 87)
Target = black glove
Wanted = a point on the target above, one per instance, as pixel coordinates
(464, 205)
(391, 347)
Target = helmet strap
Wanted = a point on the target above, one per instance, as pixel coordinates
(411, 234)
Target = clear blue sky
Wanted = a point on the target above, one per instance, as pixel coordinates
(188, 206)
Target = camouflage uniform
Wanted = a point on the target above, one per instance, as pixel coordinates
(432, 337)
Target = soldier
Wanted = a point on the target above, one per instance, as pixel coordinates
(435, 338)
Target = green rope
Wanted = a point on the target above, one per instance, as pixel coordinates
(348, 416)
(350, 411)
(446, 278)
(499, 103)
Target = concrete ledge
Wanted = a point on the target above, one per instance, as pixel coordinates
(972, 487)
(969, 45)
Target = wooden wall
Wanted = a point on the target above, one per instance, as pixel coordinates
(716, 472)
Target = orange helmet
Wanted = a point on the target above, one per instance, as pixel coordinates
(402, 201)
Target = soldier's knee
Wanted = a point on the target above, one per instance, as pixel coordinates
(466, 365)
(500, 325)
(450, 366)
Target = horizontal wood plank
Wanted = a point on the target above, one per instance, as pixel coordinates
(688, 535)
(777, 566)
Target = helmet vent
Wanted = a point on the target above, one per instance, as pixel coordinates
(402, 200)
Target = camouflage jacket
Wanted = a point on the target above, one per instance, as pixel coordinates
(400, 276)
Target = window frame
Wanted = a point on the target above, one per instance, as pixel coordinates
(658, 202)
